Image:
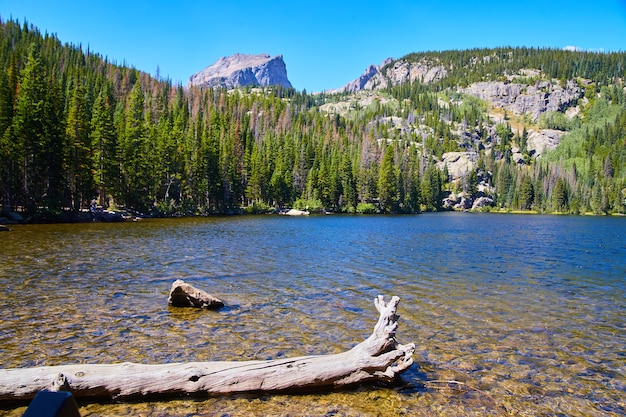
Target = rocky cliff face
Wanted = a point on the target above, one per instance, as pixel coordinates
(242, 70)
(394, 72)
(403, 71)
(516, 97)
(535, 99)
(359, 83)
(363, 82)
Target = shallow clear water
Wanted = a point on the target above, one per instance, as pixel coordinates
(511, 314)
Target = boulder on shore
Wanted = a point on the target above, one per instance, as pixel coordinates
(482, 202)
(186, 295)
(294, 212)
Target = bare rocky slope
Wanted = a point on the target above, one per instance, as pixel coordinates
(519, 99)
(394, 72)
(241, 70)
(526, 94)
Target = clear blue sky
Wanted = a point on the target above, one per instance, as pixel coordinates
(325, 44)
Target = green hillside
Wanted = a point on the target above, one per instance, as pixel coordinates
(75, 126)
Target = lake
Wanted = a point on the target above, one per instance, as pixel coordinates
(511, 314)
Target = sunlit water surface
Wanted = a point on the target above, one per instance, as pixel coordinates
(511, 315)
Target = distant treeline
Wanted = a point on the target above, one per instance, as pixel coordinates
(490, 64)
(74, 127)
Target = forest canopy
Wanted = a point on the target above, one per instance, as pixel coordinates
(75, 127)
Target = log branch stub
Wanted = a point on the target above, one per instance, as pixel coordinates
(378, 358)
(60, 383)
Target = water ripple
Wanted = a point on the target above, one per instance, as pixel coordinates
(520, 310)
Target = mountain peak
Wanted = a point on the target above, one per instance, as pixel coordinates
(240, 70)
(361, 83)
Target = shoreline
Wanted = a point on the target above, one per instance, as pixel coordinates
(106, 216)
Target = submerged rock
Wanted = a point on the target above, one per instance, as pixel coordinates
(186, 295)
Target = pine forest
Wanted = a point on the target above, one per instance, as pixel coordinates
(76, 127)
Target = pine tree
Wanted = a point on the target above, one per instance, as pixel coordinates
(134, 153)
(412, 189)
(560, 201)
(211, 156)
(105, 147)
(79, 160)
(29, 127)
(55, 198)
(431, 188)
(8, 156)
(348, 183)
(6, 101)
(254, 190)
(526, 193)
(387, 182)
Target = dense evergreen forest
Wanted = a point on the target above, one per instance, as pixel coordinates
(75, 127)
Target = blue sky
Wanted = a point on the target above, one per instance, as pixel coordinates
(325, 44)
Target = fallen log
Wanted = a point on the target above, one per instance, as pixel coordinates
(378, 358)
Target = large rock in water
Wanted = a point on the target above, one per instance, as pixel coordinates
(186, 295)
(242, 70)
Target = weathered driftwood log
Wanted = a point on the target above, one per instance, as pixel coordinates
(186, 295)
(379, 358)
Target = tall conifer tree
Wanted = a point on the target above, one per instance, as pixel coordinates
(29, 127)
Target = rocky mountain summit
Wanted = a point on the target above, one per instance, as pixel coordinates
(403, 71)
(393, 72)
(363, 82)
(242, 70)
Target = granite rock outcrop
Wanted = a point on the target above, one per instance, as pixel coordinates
(394, 72)
(535, 99)
(458, 163)
(543, 140)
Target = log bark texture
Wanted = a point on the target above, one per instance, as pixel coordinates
(378, 358)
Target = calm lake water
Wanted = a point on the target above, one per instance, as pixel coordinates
(511, 314)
